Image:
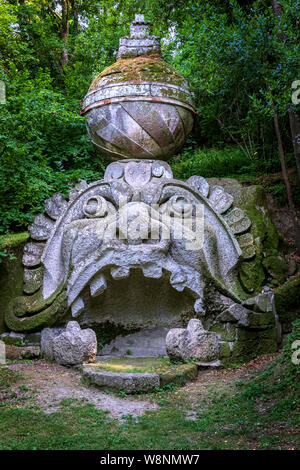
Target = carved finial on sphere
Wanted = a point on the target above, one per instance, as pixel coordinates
(139, 107)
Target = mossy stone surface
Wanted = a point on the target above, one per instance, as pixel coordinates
(227, 331)
(268, 242)
(287, 301)
(169, 373)
(11, 271)
(146, 69)
(277, 267)
(253, 347)
(225, 351)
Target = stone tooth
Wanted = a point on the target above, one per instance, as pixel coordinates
(77, 307)
(98, 285)
(120, 272)
(246, 243)
(178, 280)
(199, 307)
(237, 221)
(152, 271)
(199, 184)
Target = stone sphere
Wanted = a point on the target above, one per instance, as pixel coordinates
(139, 107)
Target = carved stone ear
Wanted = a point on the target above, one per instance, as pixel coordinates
(41, 227)
(246, 243)
(55, 206)
(237, 221)
(77, 189)
(199, 184)
(219, 199)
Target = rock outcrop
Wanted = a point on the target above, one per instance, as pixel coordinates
(70, 346)
(194, 342)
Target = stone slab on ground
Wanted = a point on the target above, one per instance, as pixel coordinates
(125, 381)
(137, 375)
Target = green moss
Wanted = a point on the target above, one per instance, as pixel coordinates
(261, 320)
(277, 267)
(150, 68)
(225, 351)
(287, 297)
(254, 344)
(11, 273)
(226, 330)
(175, 373)
(252, 275)
(287, 301)
(108, 331)
(14, 239)
(245, 335)
(48, 312)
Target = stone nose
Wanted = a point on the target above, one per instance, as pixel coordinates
(134, 222)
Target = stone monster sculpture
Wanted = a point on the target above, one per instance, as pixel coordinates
(172, 249)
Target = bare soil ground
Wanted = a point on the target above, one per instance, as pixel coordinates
(48, 384)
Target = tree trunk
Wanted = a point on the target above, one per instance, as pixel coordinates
(75, 18)
(64, 32)
(282, 162)
(295, 131)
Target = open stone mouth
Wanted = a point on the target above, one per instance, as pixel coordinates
(148, 259)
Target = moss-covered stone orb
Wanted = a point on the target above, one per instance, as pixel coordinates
(139, 107)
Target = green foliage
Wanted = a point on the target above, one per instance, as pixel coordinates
(238, 66)
(210, 163)
(215, 413)
(232, 53)
(291, 358)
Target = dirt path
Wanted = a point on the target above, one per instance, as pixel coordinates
(48, 384)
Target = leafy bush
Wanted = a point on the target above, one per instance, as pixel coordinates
(210, 163)
(44, 148)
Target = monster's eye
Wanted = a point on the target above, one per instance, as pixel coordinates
(95, 206)
(179, 206)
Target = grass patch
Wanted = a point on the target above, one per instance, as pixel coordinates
(228, 409)
(259, 413)
(137, 365)
(8, 377)
(209, 163)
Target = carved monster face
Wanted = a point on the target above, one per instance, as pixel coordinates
(138, 219)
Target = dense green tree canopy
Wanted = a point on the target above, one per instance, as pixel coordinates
(239, 57)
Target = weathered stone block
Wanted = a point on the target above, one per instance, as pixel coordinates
(125, 381)
(194, 342)
(74, 346)
(261, 320)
